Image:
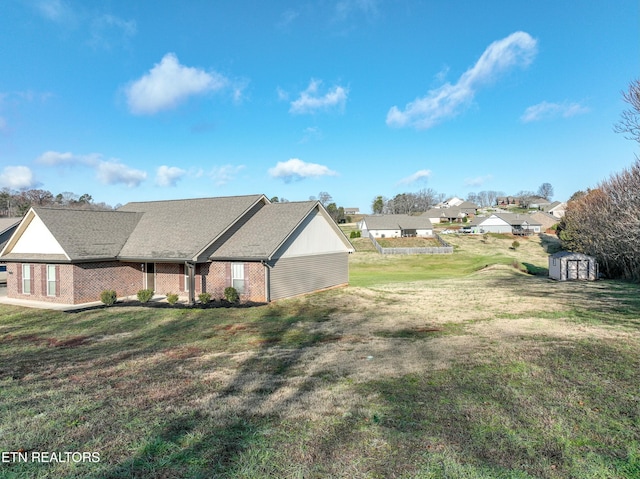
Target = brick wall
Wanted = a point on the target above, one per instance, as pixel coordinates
(217, 276)
(90, 279)
(64, 289)
(83, 282)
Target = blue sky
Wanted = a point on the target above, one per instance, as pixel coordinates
(132, 101)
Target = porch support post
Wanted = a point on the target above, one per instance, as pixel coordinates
(190, 269)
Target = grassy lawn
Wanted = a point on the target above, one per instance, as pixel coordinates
(456, 366)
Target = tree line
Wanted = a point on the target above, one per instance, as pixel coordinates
(425, 199)
(604, 222)
(17, 203)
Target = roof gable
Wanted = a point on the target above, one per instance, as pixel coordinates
(265, 233)
(183, 229)
(35, 238)
(70, 235)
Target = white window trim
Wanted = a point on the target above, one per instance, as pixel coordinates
(51, 267)
(238, 268)
(26, 276)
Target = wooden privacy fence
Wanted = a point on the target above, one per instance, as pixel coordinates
(446, 248)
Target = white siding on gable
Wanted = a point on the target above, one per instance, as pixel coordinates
(314, 236)
(494, 221)
(37, 238)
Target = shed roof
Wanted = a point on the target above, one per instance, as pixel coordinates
(571, 255)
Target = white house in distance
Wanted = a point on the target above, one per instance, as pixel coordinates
(506, 223)
(395, 226)
(557, 209)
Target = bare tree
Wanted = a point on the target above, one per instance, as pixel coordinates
(546, 191)
(629, 125)
(525, 197)
(324, 198)
(604, 223)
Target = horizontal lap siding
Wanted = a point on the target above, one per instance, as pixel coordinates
(305, 274)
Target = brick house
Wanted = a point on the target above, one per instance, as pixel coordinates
(265, 250)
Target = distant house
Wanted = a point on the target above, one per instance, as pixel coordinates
(395, 226)
(507, 201)
(7, 227)
(545, 219)
(455, 201)
(567, 266)
(537, 202)
(351, 211)
(452, 213)
(506, 223)
(468, 208)
(557, 209)
(265, 250)
(444, 215)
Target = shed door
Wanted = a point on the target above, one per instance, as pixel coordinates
(572, 269)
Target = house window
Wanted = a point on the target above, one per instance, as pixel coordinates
(51, 280)
(237, 277)
(26, 279)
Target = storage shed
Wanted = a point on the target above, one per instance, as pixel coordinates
(568, 266)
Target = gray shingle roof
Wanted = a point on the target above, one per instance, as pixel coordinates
(394, 222)
(86, 234)
(264, 232)
(181, 229)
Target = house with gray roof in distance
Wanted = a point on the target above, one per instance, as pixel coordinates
(7, 227)
(395, 226)
(265, 250)
(451, 214)
(557, 208)
(506, 223)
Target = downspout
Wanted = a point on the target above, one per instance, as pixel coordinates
(190, 268)
(267, 281)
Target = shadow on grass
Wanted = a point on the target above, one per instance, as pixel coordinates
(607, 302)
(571, 412)
(137, 388)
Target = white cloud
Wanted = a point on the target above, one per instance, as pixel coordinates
(106, 29)
(168, 84)
(113, 172)
(221, 175)
(55, 10)
(169, 175)
(477, 181)
(417, 176)
(311, 101)
(311, 133)
(295, 169)
(55, 158)
(17, 177)
(449, 100)
(345, 8)
(547, 110)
